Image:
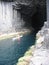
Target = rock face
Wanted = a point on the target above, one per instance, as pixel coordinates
(32, 11)
(41, 53)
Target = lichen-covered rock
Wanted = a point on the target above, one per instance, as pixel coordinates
(22, 63)
(25, 60)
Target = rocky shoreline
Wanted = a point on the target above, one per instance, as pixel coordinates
(39, 53)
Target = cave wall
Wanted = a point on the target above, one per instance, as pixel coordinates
(33, 12)
(41, 14)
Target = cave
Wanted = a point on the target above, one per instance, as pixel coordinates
(33, 13)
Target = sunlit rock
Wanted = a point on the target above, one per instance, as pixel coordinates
(41, 53)
(40, 57)
(22, 63)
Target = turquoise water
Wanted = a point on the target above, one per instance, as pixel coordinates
(11, 50)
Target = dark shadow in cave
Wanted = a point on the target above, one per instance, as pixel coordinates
(33, 16)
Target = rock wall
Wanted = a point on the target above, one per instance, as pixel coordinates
(32, 11)
(41, 53)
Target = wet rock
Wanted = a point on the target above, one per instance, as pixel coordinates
(25, 60)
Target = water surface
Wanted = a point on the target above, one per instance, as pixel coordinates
(11, 50)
